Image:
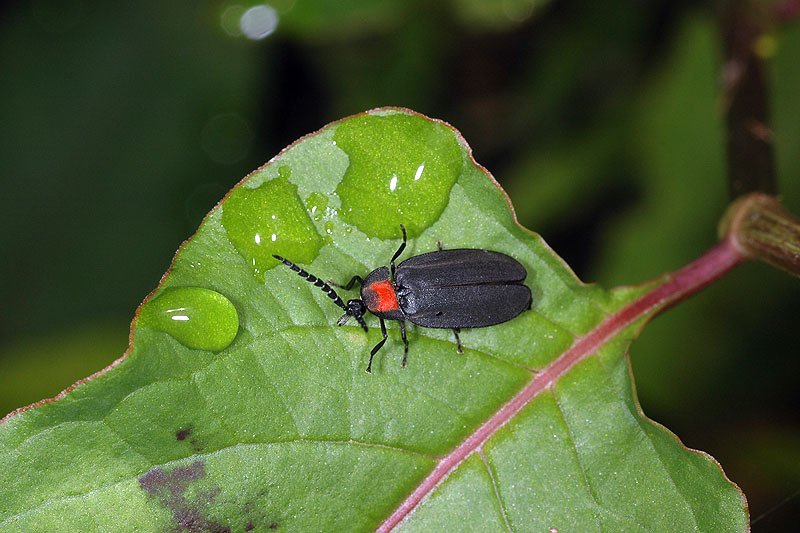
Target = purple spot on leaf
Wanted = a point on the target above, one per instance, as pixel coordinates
(170, 488)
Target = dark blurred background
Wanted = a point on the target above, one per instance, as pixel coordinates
(122, 125)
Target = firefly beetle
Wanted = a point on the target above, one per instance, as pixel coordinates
(447, 289)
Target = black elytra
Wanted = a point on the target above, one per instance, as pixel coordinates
(447, 289)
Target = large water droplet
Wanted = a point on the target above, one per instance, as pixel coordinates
(198, 318)
(268, 220)
(401, 170)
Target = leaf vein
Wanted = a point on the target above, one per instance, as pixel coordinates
(496, 490)
(574, 447)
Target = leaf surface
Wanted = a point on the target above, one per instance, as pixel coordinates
(241, 406)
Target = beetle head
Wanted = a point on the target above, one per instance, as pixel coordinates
(356, 309)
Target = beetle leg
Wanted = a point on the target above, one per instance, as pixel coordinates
(459, 348)
(399, 250)
(439, 246)
(405, 342)
(349, 285)
(377, 346)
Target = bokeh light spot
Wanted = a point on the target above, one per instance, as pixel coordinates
(259, 22)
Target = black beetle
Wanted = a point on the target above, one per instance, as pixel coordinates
(448, 289)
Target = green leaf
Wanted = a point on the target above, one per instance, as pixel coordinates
(241, 406)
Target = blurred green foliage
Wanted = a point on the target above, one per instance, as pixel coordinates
(120, 126)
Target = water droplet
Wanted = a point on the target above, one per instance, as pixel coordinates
(198, 318)
(401, 170)
(268, 220)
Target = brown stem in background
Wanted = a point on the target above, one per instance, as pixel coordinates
(751, 165)
(757, 224)
(761, 228)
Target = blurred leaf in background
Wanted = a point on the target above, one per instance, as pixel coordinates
(122, 126)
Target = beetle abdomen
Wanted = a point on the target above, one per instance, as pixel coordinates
(459, 267)
(461, 288)
(466, 306)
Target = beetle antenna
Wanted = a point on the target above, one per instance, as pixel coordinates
(399, 251)
(311, 278)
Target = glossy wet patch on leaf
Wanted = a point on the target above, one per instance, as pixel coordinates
(270, 219)
(401, 169)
